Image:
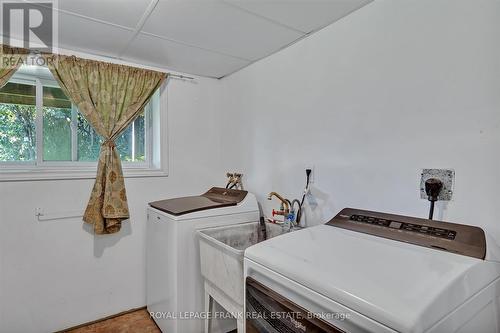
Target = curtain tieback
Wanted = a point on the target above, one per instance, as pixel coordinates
(109, 143)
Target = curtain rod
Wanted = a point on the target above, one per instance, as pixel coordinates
(181, 76)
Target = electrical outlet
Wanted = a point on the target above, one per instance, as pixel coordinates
(447, 176)
(312, 176)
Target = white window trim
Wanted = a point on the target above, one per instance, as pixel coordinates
(157, 165)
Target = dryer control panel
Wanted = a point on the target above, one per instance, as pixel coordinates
(452, 237)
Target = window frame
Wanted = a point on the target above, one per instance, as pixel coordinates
(155, 164)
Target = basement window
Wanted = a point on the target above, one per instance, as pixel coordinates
(44, 136)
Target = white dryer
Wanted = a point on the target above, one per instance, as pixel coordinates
(372, 272)
(175, 294)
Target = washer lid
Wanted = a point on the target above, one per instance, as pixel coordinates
(403, 286)
(216, 197)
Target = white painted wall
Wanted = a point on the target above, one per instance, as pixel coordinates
(395, 87)
(56, 274)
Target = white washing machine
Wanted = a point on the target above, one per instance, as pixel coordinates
(175, 295)
(372, 272)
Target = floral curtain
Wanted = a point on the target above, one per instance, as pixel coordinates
(110, 97)
(10, 60)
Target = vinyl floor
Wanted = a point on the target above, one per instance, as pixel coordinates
(133, 322)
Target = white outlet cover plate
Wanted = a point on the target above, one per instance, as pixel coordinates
(313, 173)
(447, 176)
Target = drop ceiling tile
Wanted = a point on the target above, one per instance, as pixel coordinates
(77, 33)
(214, 25)
(304, 15)
(122, 12)
(155, 51)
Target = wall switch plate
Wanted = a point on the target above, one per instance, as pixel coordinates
(447, 176)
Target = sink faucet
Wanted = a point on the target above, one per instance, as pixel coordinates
(285, 207)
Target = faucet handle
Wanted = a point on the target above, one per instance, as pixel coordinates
(278, 212)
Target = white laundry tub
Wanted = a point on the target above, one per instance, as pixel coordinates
(221, 256)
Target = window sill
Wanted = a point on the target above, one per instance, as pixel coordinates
(32, 174)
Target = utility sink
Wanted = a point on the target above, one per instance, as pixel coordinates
(221, 253)
(237, 237)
